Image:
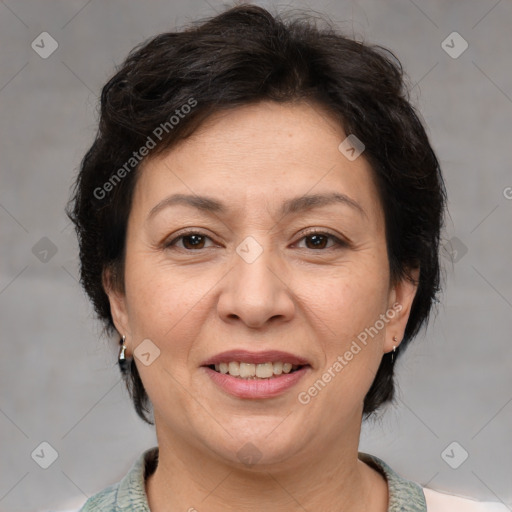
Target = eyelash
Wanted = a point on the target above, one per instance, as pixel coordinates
(338, 242)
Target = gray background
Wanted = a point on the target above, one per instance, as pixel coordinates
(58, 380)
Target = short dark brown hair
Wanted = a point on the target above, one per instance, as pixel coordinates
(242, 56)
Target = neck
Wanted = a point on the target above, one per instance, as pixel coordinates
(335, 479)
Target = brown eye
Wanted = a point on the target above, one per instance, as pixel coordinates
(193, 241)
(319, 240)
(190, 241)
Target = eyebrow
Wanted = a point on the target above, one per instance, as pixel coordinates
(290, 206)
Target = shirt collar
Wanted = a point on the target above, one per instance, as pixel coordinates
(131, 493)
(404, 495)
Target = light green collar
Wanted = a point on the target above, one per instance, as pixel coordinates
(129, 495)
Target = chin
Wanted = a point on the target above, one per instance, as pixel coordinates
(257, 451)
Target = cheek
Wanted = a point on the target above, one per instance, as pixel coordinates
(345, 316)
(163, 307)
(346, 300)
(345, 311)
(158, 296)
(168, 307)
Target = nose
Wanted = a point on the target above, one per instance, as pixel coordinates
(255, 292)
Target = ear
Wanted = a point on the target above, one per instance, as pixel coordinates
(401, 297)
(117, 299)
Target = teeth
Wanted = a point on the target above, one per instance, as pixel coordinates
(253, 371)
(234, 369)
(247, 370)
(278, 368)
(264, 370)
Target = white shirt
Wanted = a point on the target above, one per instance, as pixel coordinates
(441, 502)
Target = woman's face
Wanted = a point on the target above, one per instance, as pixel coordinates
(258, 267)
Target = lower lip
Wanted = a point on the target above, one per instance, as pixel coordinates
(254, 388)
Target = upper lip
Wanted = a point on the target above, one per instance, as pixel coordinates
(268, 356)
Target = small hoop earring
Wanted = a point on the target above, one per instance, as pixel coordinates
(121, 359)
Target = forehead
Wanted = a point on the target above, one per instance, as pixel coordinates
(260, 156)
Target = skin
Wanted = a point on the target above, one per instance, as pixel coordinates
(193, 303)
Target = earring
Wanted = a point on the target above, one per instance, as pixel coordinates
(394, 350)
(121, 359)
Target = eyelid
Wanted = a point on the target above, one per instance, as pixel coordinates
(171, 241)
(339, 241)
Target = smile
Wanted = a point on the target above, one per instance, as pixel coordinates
(254, 371)
(252, 386)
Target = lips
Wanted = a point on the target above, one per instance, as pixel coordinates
(269, 356)
(264, 387)
(256, 389)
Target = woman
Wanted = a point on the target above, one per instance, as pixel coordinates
(259, 221)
